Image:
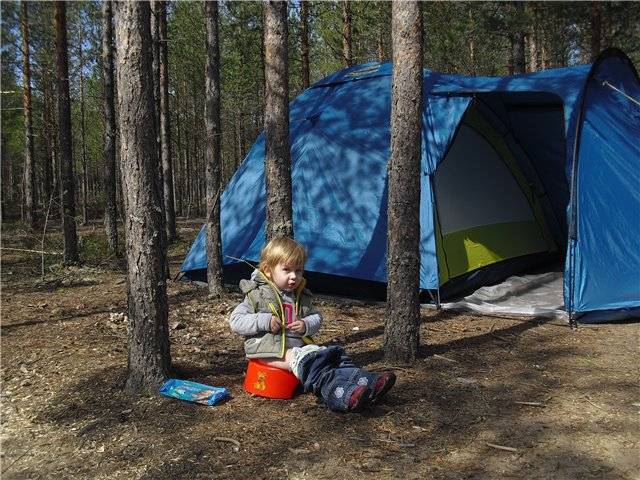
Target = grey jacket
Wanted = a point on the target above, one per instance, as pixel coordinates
(252, 317)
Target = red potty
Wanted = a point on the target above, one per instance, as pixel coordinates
(267, 381)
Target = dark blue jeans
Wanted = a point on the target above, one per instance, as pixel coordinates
(332, 376)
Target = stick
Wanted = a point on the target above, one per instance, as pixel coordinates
(502, 447)
(531, 404)
(445, 358)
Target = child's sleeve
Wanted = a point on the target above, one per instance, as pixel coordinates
(244, 321)
(313, 322)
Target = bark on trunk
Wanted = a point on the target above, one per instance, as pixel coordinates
(347, 51)
(213, 136)
(532, 39)
(148, 336)
(108, 108)
(511, 68)
(165, 127)
(402, 333)
(304, 41)
(520, 65)
(67, 187)
(276, 123)
(29, 160)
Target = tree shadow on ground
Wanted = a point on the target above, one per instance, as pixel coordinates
(438, 408)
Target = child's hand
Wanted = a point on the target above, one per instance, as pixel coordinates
(298, 326)
(275, 324)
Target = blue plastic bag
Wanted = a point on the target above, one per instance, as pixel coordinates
(193, 392)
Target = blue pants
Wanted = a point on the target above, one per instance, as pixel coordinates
(332, 376)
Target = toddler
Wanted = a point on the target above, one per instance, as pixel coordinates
(277, 319)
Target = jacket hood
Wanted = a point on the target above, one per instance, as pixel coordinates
(258, 279)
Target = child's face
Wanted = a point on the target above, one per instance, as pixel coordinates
(287, 277)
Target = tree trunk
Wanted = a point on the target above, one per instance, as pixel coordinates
(67, 187)
(148, 335)
(520, 65)
(347, 51)
(304, 41)
(532, 39)
(165, 127)
(596, 30)
(85, 180)
(276, 123)
(179, 170)
(29, 159)
(402, 332)
(511, 67)
(109, 150)
(47, 189)
(213, 136)
(545, 55)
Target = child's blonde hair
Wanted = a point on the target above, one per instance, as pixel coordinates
(282, 250)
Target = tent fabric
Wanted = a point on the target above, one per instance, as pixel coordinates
(340, 136)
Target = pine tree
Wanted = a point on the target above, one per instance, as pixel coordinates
(29, 159)
(67, 187)
(402, 333)
(213, 141)
(109, 150)
(148, 333)
(276, 122)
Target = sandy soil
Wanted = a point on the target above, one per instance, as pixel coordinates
(488, 398)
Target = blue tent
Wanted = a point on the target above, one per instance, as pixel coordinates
(572, 134)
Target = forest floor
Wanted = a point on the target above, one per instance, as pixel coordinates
(488, 397)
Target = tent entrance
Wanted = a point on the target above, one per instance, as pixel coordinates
(493, 216)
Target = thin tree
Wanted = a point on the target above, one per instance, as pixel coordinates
(276, 122)
(165, 127)
(83, 136)
(109, 112)
(402, 333)
(148, 335)
(213, 141)
(519, 62)
(347, 50)
(532, 37)
(304, 41)
(67, 187)
(29, 160)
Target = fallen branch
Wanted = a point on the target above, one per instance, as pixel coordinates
(502, 447)
(39, 252)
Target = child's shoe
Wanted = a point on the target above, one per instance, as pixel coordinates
(383, 384)
(359, 398)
